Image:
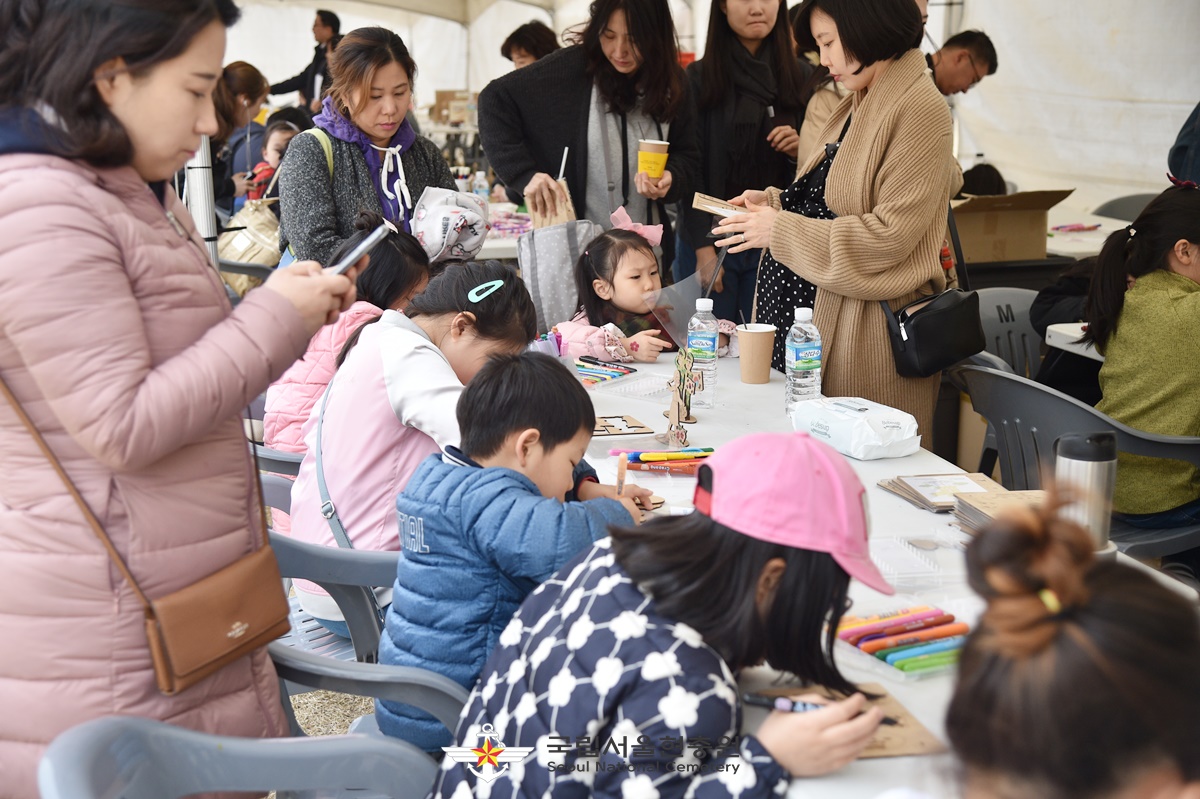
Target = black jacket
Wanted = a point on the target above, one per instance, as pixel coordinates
(305, 82)
(528, 116)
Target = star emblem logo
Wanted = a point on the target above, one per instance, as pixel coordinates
(490, 759)
(487, 754)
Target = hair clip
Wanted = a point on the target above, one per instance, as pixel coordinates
(651, 233)
(1183, 184)
(484, 290)
(1050, 600)
(1130, 230)
(390, 226)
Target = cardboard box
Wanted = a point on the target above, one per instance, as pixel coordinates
(455, 106)
(1006, 228)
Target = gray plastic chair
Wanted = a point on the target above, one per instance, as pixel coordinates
(253, 270)
(1004, 313)
(1030, 417)
(1126, 208)
(123, 757)
(277, 461)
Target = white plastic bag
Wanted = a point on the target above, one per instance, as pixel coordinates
(857, 427)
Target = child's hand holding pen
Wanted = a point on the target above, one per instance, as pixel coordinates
(630, 496)
(817, 742)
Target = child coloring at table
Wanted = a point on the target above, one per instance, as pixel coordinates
(631, 650)
(484, 523)
(1080, 680)
(391, 404)
(616, 321)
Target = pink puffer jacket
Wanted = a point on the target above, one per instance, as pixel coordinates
(116, 336)
(291, 398)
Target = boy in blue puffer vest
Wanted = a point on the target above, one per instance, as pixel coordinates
(483, 524)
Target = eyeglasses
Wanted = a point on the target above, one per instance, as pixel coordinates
(975, 69)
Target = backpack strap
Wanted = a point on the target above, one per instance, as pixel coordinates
(326, 147)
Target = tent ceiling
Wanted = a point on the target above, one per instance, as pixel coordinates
(461, 11)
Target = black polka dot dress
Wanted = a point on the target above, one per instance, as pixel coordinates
(780, 290)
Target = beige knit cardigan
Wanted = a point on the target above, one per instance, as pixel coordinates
(889, 186)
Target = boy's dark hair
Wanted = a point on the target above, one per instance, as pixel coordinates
(600, 260)
(673, 559)
(505, 314)
(869, 30)
(1080, 672)
(52, 49)
(659, 83)
(1137, 250)
(282, 126)
(535, 38)
(512, 393)
(398, 265)
(717, 64)
(983, 180)
(978, 45)
(330, 20)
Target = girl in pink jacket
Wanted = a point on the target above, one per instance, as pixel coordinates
(616, 322)
(399, 270)
(117, 338)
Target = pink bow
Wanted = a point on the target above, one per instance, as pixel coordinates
(651, 233)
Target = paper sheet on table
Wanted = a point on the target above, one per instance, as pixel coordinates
(907, 737)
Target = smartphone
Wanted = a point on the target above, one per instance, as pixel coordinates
(365, 246)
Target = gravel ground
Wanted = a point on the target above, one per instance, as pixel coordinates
(327, 713)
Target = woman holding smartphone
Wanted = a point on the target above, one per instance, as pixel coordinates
(119, 343)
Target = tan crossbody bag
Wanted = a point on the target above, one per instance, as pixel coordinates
(196, 630)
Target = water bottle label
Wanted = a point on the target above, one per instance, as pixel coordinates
(803, 357)
(703, 345)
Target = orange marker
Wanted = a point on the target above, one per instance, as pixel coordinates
(917, 637)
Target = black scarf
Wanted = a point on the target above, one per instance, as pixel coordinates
(755, 89)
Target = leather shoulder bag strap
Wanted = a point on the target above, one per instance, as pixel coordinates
(327, 508)
(960, 264)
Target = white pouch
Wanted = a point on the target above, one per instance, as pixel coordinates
(857, 427)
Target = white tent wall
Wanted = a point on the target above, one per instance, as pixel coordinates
(1089, 94)
(276, 37)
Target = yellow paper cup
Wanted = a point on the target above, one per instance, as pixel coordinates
(652, 157)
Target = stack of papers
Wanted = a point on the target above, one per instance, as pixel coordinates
(973, 511)
(937, 492)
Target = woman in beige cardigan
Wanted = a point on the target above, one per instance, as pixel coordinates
(889, 188)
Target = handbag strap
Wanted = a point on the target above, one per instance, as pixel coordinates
(327, 508)
(960, 264)
(92, 521)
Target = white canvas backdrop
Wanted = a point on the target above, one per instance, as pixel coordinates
(1089, 94)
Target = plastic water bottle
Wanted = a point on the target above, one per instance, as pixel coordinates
(702, 341)
(480, 185)
(803, 360)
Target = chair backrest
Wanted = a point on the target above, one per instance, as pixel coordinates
(274, 460)
(349, 575)
(1029, 417)
(124, 757)
(277, 492)
(1004, 313)
(1127, 208)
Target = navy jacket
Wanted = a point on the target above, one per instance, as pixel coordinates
(475, 542)
(613, 699)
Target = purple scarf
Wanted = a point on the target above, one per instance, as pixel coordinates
(339, 127)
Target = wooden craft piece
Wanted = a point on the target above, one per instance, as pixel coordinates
(689, 420)
(619, 426)
(907, 737)
(654, 503)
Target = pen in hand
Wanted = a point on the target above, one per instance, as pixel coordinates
(785, 705)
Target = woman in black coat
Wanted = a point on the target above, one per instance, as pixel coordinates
(620, 82)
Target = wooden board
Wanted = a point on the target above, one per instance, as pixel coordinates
(619, 426)
(907, 737)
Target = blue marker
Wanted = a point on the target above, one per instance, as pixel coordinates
(944, 645)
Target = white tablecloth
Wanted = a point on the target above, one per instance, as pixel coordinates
(1080, 244)
(1065, 336)
(742, 409)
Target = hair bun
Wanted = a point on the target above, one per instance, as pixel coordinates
(368, 220)
(1029, 564)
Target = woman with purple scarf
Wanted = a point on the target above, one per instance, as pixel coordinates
(363, 154)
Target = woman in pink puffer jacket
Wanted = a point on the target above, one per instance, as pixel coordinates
(117, 338)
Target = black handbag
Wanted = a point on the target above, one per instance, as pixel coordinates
(932, 333)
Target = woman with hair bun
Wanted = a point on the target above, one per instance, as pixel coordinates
(1081, 679)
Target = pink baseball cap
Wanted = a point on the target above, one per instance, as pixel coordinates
(790, 489)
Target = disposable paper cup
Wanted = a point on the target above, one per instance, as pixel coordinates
(756, 343)
(652, 157)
